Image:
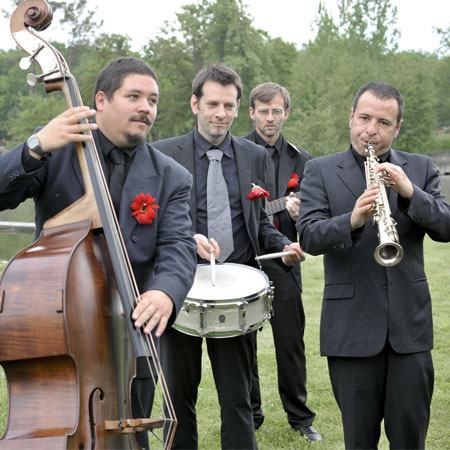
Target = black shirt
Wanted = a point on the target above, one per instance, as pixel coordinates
(243, 252)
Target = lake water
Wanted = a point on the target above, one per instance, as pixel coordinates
(10, 244)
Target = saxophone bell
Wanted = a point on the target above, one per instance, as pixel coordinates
(388, 254)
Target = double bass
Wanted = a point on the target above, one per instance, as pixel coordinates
(68, 346)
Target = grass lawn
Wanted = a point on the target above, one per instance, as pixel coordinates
(276, 432)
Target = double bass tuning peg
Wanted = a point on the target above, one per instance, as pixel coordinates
(25, 62)
(33, 80)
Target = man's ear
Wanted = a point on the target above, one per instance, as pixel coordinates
(100, 98)
(237, 108)
(351, 118)
(397, 128)
(194, 104)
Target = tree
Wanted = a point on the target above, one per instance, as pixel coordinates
(76, 18)
(369, 25)
(329, 71)
(31, 112)
(206, 32)
(445, 40)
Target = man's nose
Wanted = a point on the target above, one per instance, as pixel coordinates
(144, 105)
(371, 128)
(220, 110)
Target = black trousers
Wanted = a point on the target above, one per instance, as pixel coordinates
(391, 386)
(231, 360)
(288, 326)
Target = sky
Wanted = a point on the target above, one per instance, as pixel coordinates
(288, 19)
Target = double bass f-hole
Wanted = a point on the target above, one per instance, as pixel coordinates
(69, 381)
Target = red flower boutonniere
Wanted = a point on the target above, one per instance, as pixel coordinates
(143, 207)
(293, 182)
(257, 192)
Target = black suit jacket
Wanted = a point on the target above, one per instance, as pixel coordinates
(292, 160)
(162, 254)
(365, 303)
(250, 162)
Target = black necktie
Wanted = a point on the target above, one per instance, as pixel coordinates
(271, 174)
(118, 159)
(271, 177)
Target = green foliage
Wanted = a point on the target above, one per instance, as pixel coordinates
(31, 111)
(79, 21)
(322, 77)
(369, 25)
(445, 40)
(344, 57)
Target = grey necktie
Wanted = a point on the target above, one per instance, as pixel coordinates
(218, 205)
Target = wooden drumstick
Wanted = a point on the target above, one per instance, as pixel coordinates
(275, 255)
(212, 260)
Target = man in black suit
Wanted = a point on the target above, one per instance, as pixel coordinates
(376, 326)
(216, 91)
(46, 167)
(269, 108)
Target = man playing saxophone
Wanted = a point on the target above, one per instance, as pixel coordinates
(376, 326)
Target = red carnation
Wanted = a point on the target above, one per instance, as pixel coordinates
(144, 208)
(257, 192)
(293, 182)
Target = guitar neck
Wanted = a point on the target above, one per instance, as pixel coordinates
(279, 204)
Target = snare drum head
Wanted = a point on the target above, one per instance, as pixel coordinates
(233, 281)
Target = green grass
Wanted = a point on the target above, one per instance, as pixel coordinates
(276, 433)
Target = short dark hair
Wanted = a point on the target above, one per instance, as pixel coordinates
(265, 92)
(383, 91)
(216, 72)
(112, 75)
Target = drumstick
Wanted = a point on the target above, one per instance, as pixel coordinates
(275, 255)
(212, 260)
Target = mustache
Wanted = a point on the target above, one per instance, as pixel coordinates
(142, 118)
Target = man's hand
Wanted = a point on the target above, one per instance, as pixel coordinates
(401, 183)
(154, 307)
(66, 128)
(293, 206)
(298, 256)
(205, 247)
(362, 211)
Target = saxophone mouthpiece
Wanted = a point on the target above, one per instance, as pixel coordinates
(369, 147)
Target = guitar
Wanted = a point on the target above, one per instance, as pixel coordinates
(279, 204)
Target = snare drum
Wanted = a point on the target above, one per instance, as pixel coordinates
(239, 302)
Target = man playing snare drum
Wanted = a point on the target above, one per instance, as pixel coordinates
(216, 93)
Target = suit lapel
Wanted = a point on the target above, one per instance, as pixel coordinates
(186, 157)
(398, 160)
(350, 174)
(141, 177)
(286, 168)
(243, 165)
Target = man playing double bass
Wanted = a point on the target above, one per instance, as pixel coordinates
(162, 252)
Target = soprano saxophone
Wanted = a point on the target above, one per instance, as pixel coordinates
(389, 252)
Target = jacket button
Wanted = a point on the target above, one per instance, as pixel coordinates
(384, 286)
(134, 239)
